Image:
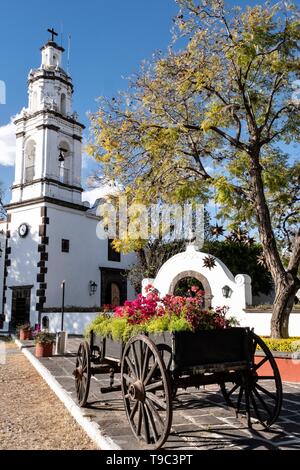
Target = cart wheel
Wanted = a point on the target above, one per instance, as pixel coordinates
(256, 393)
(82, 373)
(167, 356)
(143, 376)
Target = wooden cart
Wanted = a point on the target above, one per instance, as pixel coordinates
(154, 367)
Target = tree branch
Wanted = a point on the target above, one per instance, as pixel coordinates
(295, 256)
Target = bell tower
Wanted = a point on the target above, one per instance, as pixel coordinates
(49, 135)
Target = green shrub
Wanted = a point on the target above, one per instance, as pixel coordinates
(44, 337)
(283, 345)
(119, 329)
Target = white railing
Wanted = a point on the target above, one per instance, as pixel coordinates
(64, 175)
(29, 174)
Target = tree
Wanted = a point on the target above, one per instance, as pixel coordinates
(214, 114)
(242, 258)
(150, 258)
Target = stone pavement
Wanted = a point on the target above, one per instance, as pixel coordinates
(201, 419)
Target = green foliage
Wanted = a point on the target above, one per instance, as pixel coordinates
(44, 337)
(242, 259)
(115, 327)
(184, 285)
(168, 323)
(283, 345)
(150, 258)
(26, 327)
(120, 330)
(210, 104)
(209, 118)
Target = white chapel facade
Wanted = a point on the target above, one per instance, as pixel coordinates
(50, 233)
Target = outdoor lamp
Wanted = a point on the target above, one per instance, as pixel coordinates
(93, 287)
(226, 292)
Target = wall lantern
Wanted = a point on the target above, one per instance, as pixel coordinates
(92, 287)
(1, 251)
(227, 292)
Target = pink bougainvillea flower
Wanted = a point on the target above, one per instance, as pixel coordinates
(195, 288)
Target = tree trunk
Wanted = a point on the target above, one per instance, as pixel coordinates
(284, 301)
(286, 281)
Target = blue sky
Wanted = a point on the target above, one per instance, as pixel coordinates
(110, 38)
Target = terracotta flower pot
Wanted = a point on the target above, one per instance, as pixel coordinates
(25, 335)
(44, 349)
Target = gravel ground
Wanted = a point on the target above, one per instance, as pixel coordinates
(31, 416)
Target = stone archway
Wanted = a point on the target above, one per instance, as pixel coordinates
(200, 278)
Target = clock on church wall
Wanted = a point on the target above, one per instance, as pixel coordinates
(23, 230)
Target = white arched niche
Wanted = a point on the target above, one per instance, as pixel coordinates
(191, 264)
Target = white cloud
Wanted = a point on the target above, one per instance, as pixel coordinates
(7, 145)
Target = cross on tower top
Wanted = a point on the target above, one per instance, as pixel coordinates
(53, 33)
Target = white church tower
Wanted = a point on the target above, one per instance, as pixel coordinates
(49, 238)
(48, 155)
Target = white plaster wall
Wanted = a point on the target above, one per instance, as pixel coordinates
(217, 277)
(24, 256)
(52, 190)
(79, 266)
(44, 88)
(261, 322)
(47, 142)
(2, 261)
(74, 323)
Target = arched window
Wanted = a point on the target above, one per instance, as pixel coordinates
(30, 151)
(55, 60)
(45, 323)
(188, 283)
(63, 104)
(34, 101)
(65, 163)
(188, 287)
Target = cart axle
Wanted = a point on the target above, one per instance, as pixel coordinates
(114, 388)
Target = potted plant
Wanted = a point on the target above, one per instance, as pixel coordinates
(44, 344)
(25, 332)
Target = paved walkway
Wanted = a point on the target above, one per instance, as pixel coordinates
(31, 416)
(201, 419)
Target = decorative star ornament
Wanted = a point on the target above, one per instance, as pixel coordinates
(217, 230)
(209, 262)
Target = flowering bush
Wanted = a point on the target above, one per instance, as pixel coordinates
(44, 337)
(152, 314)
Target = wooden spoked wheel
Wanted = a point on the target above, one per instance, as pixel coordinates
(146, 392)
(257, 392)
(82, 373)
(167, 356)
